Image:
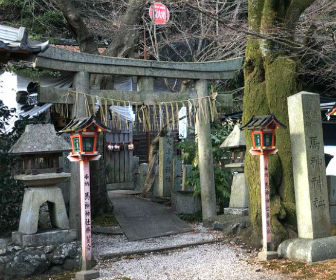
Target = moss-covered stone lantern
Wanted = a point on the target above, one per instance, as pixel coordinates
(40, 149)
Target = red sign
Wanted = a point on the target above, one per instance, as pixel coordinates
(159, 13)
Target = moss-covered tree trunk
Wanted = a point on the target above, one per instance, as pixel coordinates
(270, 77)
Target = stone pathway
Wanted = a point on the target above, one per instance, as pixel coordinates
(140, 218)
(205, 262)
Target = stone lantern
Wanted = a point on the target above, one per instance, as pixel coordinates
(239, 193)
(40, 149)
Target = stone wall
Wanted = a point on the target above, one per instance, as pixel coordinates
(18, 262)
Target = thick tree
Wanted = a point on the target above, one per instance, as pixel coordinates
(123, 45)
(270, 76)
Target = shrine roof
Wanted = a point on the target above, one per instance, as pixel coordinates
(79, 124)
(39, 138)
(16, 40)
(259, 122)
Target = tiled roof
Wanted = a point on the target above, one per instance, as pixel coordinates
(259, 122)
(16, 40)
(81, 123)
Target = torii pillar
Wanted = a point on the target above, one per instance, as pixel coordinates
(81, 84)
(205, 159)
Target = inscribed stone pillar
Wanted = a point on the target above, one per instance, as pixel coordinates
(165, 166)
(311, 192)
(205, 160)
(81, 84)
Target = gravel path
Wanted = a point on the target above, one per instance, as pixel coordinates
(114, 245)
(205, 262)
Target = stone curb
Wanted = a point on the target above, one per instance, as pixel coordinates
(157, 250)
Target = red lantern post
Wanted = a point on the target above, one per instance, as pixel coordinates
(83, 135)
(263, 142)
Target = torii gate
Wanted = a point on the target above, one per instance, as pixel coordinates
(84, 65)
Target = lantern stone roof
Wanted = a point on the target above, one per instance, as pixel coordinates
(260, 122)
(16, 40)
(79, 124)
(235, 139)
(40, 138)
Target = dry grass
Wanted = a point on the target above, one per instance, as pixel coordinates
(298, 270)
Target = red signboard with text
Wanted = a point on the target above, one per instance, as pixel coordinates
(159, 13)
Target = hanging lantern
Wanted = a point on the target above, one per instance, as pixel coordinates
(83, 136)
(116, 147)
(130, 146)
(263, 132)
(110, 146)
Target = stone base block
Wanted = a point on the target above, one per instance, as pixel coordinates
(49, 237)
(239, 192)
(236, 211)
(187, 203)
(308, 250)
(87, 275)
(267, 255)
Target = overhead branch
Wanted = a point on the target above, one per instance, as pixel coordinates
(78, 28)
(124, 42)
(295, 10)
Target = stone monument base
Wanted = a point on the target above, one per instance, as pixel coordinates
(236, 211)
(87, 275)
(308, 250)
(49, 237)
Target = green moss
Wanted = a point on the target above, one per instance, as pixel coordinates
(277, 91)
(266, 92)
(105, 220)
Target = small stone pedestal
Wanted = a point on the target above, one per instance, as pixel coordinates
(183, 198)
(239, 193)
(34, 197)
(311, 192)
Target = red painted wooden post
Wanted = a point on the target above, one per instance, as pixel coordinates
(265, 202)
(85, 209)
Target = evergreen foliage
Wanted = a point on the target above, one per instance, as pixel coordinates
(11, 191)
(223, 177)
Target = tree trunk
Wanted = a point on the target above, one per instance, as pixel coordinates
(270, 77)
(123, 45)
(78, 28)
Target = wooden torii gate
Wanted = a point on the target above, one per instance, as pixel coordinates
(84, 65)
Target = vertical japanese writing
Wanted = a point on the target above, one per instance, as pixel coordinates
(315, 157)
(87, 209)
(267, 201)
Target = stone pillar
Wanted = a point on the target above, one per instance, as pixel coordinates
(311, 192)
(81, 84)
(165, 166)
(205, 160)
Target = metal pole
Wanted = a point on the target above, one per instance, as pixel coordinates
(265, 202)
